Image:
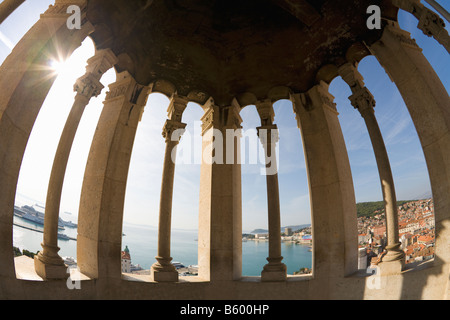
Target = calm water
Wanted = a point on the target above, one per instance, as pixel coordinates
(142, 243)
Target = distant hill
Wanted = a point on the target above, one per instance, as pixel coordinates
(368, 209)
(294, 228)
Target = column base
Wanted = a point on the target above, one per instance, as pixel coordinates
(50, 268)
(164, 271)
(391, 267)
(393, 262)
(275, 270)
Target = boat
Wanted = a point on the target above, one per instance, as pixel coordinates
(178, 265)
(62, 236)
(68, 224)
(30, 214)
(193, 269)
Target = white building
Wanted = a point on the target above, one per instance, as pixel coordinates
(126, 260)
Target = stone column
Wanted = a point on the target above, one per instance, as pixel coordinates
(100, 218)
(428, 104)
(48, 264)
(429, 22)
(364, 102)
(163, 270)
(19, 106)
(220, 205)
(274, 270)
(333, 205)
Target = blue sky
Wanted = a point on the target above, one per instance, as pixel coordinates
(143, 190)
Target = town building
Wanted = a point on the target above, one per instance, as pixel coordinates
(126, 260)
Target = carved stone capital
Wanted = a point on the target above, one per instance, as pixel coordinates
(88, 86)
(320, 95)
(176, 107)
(101, 62)
(127, 87)
(433, 26)
(232, 118)
(170, 127)
(404, 37)
(430, 23)
(362, 99)
(265, 111)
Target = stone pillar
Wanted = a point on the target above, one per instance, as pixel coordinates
(333, 205)
(220, 205)
(274, 270)
(428, 103)
(19, 106)
(429, 22)
(163, 270)
(102, 199)
(364, 102)
(7, 7)
(48, 264)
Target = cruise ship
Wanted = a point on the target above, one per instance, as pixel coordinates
(30, 214)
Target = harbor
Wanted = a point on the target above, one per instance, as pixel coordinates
(31, 218)
(61, 236)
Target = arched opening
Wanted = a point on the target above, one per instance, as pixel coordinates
(295, 213)
(294, 193)
(38, 159)
(141, 209)
(254, 195)
(186, 195)
(407, 163)
(142, 202)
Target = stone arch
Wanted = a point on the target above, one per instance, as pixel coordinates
(24, 87)
(428, 103)
(104, 184)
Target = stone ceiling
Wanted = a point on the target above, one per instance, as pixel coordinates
(229, 48)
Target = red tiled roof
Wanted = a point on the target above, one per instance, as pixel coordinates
(126, 255)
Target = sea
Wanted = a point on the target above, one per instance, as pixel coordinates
(142, 244)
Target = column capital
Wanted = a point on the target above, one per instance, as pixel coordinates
(125, 86)
(170, 127)
(233, 119)
(221, 117)
(211, 116)
(265, 111)
(313, 98)
(430, 23)
(102, 61)
(88, 86)
(361, 99)
(176, 107)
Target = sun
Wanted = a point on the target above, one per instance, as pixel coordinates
(58, 66)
